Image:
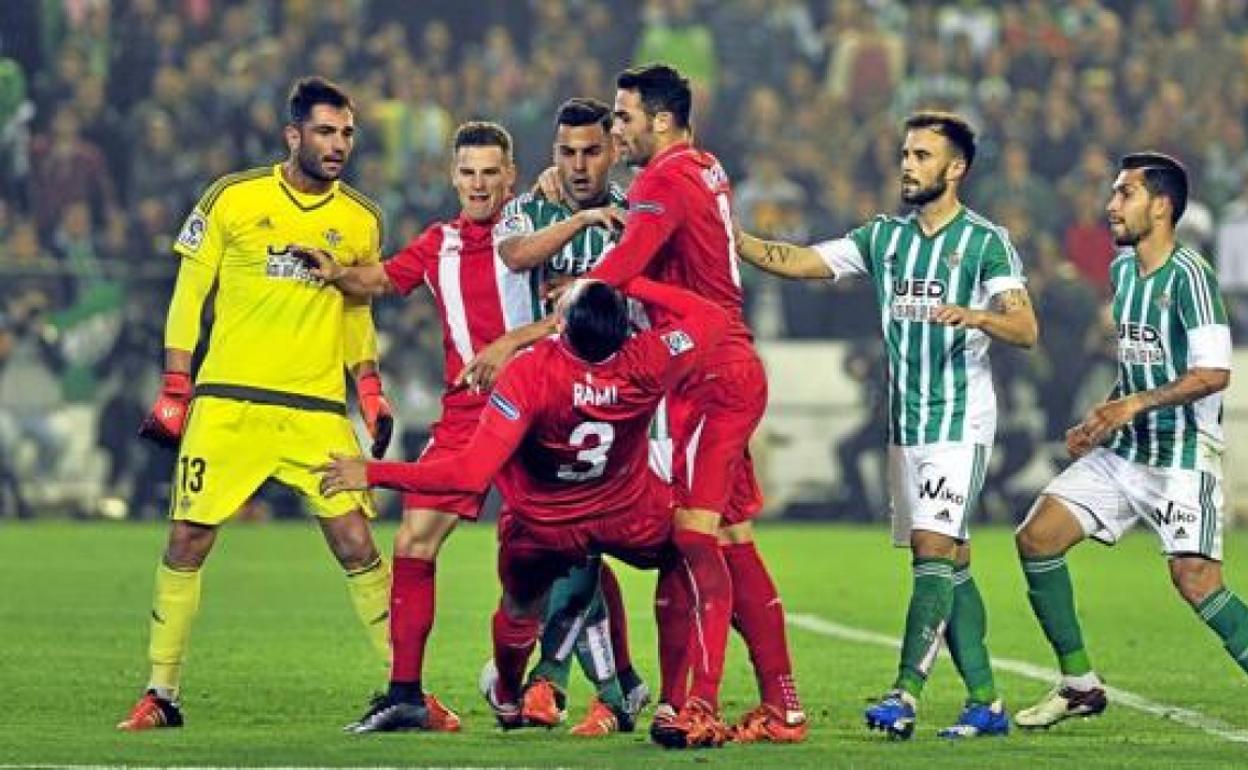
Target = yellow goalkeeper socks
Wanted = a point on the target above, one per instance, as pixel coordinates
(174, 607)
(370, 593)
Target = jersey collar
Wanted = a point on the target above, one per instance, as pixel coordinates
(304, 201)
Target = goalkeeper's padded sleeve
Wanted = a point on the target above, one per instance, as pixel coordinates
(195, 280)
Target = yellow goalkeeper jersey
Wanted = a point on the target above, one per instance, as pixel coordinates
(279, 335)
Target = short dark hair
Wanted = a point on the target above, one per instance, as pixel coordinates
(584, 111)
(596, 322)
(308, 92)
(1163, 175)
(482, 133)
(662, 89)
(952, 127)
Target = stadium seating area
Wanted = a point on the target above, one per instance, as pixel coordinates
(115, 114)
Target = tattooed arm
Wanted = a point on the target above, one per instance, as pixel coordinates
(783, 259)
(1011, 318)
(1108, 417)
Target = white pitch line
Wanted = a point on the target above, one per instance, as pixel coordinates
(1183, 716)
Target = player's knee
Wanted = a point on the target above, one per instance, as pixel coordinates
(422, 533)
(189, 545)
(1195, 578)
(1030, 542)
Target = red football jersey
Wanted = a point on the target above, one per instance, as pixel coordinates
(478, 296)
(679, 231)
(565, 440)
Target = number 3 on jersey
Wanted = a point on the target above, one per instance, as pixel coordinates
(595, 456)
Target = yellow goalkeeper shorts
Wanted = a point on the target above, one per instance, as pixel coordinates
(231, 447)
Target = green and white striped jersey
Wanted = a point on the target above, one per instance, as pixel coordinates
(940, 387)
(527, 213)
(1169, 322)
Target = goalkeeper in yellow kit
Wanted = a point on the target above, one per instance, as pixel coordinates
(269, 398)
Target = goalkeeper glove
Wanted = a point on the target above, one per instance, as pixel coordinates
(168, 416)
(378, 417)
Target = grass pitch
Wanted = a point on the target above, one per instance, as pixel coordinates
(278, 663)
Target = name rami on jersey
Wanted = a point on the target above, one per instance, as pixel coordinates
(584, 394)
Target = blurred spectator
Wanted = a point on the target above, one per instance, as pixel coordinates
(1087, 241)
(865, 62)
(1015, 184)
(15, 114)
(673, 34)
(68, 169)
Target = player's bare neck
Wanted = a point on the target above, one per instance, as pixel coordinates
(940, 212)
(301, 182)
(1152, 252)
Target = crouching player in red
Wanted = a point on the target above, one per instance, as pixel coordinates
(566, 431)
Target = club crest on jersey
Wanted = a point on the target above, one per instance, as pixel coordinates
(678, 342)
(333, 237)
(1163, 301)
(504, 407)
(265, 223)
(954, 259)
(192, 235)
(512, 225)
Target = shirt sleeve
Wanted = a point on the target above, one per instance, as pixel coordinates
(203, 235)
(406, 269)
(1000, 268)
(843, 256)
(515, 219)
(1204, 318)
(655, 210)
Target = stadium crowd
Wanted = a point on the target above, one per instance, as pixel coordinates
(115, 114)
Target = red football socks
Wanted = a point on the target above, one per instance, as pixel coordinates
(514, 640)
(412, 600)
(711, 585)
(672, 615)
(758, 616)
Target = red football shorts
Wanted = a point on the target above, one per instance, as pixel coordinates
(450, 435)
(713, 414)
(532, 554)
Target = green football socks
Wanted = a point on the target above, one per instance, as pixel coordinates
(1223, 612)
(931, 601)
(965, 635)
(1053, 600)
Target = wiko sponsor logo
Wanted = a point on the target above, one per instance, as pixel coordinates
(940, 492)
(1173, 514)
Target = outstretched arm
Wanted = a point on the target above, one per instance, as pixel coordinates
(359, 281)
(469, 471)
(787, 260)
